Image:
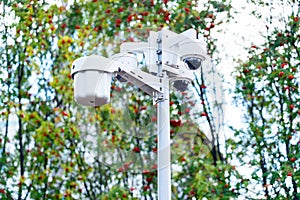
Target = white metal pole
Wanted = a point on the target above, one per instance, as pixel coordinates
(164, 153)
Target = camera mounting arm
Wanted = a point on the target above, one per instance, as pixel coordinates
(92, 78)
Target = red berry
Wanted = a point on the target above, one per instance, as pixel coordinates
(129, 18)
(149, 179)
(136, 150)
(120, 9)
(290, 174)
(210, 16)
(293, 159)
(146, 171)
(203, 114)
(296, 19)
(118, 21)
(283, 65)
(64, 113)
(281, 74)
(192, 193)
(107, 11)
(291, 77)
(145, 13)
(246, 71)
(121, 169)
(95, 1)
(187, 10)
(175, 123)
(172, 132)
(154, 166)
(126, 166)
(292, 106)
(154, 150)
(154, 119)
(183, 159)
(63, 25)
(145, 188)
(77, 27)
(143, 108)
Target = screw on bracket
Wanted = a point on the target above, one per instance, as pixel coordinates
(158, 40)
(158, 51)
(158, 62)
(159, 99)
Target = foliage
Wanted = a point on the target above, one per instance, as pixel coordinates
(268, 89)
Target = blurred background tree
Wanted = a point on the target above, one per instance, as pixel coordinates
(268, 88)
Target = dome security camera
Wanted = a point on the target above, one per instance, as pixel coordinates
(192, 53)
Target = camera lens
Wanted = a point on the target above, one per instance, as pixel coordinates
(192, 62)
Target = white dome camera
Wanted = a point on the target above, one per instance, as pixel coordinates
(191, 51)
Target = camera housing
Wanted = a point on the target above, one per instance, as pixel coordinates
(92, 80)
(191, 51)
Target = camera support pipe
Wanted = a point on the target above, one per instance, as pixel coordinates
(163, 126)
(164, 147)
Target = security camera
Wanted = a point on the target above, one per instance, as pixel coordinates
(92, 80)
(191, 51)
(93, 75)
